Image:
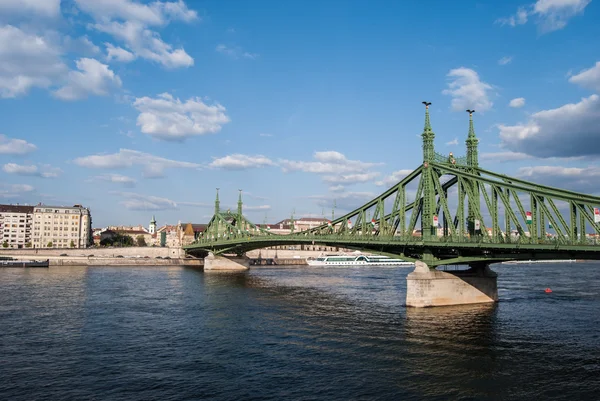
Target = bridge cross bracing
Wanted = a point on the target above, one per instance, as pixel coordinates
(447, 211)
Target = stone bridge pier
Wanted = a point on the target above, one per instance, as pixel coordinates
(226, 263)
(427, 286)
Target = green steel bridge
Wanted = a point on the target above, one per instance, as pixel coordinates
(447, 211)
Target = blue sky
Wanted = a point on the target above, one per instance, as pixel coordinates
(135, 108)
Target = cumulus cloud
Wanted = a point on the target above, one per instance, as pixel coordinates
(334, 166)
(241, 162)
(44, 171)
(42, 8)
(589, 78)
(578, 179)
(168, 118)
(394, 178)
(118, 54)
(93, 78)
(453, 142)
(468, 91)
(12, 146)
(153, 166)
(505, 60)
(517, 102)
(134, 24)
(28, 61)
(567, 131)
(549, 15)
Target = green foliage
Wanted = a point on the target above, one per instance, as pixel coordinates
(72, 244)
(50, 245)
(28, 245)
(118, 240)
(5, 244)
(141, 241)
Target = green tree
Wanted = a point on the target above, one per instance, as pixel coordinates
(72, 244)
(5, 244)
(50, 245)
(141, 241)
(28, 245)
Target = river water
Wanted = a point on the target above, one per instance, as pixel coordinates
(174, 333)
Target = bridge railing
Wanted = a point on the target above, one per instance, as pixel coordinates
(332, 238)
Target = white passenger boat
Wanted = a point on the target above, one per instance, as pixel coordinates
(356, 260)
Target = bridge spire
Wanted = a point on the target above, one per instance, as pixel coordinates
(472, 142)
(240, 204)
(428, 136)
(217, 203)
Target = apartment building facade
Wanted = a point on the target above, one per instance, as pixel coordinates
(15, 226)
(61, 227)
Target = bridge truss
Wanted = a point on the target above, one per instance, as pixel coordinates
(447, 211)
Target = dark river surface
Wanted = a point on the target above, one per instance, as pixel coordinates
(174, 333)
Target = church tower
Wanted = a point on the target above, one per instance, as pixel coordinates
(152, 227)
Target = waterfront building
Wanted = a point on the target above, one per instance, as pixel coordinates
(15, 226)
(61, 227)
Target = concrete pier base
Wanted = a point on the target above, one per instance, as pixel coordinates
(223, 263)
(429, 287)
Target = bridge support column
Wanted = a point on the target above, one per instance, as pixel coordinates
(223, 263)
(429, 287)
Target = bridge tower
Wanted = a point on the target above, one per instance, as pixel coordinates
(427, 228)
(474, 205)
(217, 203)
(240, 216)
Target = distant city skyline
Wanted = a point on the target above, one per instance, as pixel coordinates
(139, 108)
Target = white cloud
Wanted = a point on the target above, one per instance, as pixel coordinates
(168, 118)
(453, 142)
(394, 178)
(550, 15)
(118, 54)
(235, 52)
(505, 60)
(81, 46)
(130, 22)
(241, 162)
(153, 165)
(134, 201)
(506, 156)
(93, 78)
(589, 78)
(11, 146)
(265, 135)
(350, 178)
(21, 188)
(573, 178)
(329, 162)
(44, 171)
(468, 91)
(337, 188)
(27, 61)
(257, 208)
(517, 102)
(570, 130)
(117, 179)
(43, 8)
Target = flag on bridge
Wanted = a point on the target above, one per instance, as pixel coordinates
(435, 221)
(596, 215)
(550, 225)
(329, 224)
(373, 222)
(349, 224)
(528, 214)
